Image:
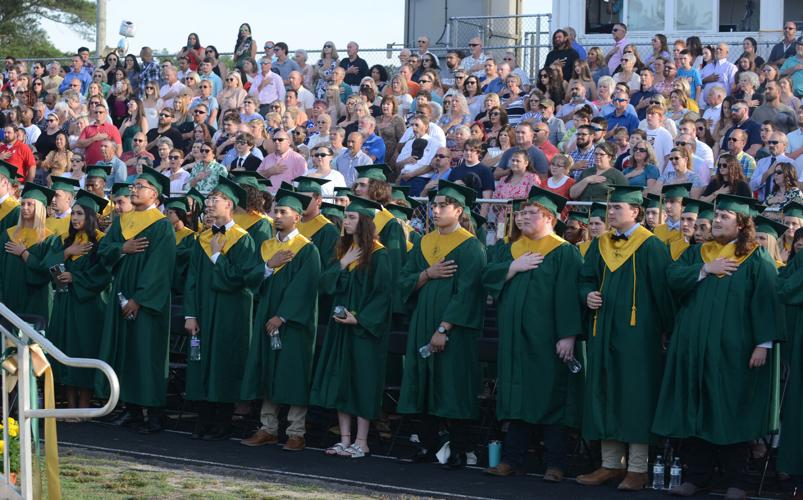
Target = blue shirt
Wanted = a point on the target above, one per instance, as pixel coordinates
(85, 79)
(374, 146)
(627, 120)
(494, 86)
(580, 50)
(650, 172)
(693, 76)
(217, 83)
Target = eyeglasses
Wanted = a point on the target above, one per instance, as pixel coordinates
(173, 157)
(779, 172)
(240, 142)
(640, 150)
(681, 143)
(279, 139)
(674, 158)
(137, 140)
(424, 81)
(600, 153)
(321, 155)
(773, 143)
(473, 45)
(789, 28)
(619, 99)
(206, 150)
(441, 157)
(199, 112)
(165, 115)
(137, 187)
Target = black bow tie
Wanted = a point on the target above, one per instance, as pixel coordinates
(617, 237)
(218, 229)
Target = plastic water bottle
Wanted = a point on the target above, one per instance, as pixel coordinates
(123, 301)
(658, 473)
(674, 473)
(195, 348)
(275, 342)
(425, 351)
(573, 365)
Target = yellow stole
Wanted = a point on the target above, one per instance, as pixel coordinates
(381, 219)
(312, 226)
(677, 247)
(108, 210)
(27, 235)
(408, 230)
(584, 246)
(667, 235)
(711, 251)
(435, 246)
(543, 245)
(180, 235)
(247, 219)
(59, 227)
(616, 253)
(779, 264)
(231, 237)
(270, 247)
(80, 238)
(7, 206)
(377, 246)
(134, 222)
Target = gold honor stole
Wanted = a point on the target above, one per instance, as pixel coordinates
(7, 206)
(28, 236)
(81, 238)
(408, 231)
(677, 247)
(711, 251)
(180, 235)
(584, 246)
(231, 236)
(542, 245)
(435, 246)
(312, 226)
(270, 247)
(59, 227)
(382, 218)
(377, 246)
(248, 219)
(667, 235)
(133, 223)
(108, 210)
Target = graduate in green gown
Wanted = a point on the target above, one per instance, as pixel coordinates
(342, 196)
(314, 225)
(95, 183)
(403, 208)
(9, 206)
(597, 225)
(253, 217)
(334, 213)
(83, 298)
(24, 274)
(224, 268)
(536, 277)
(65, 188)
(768, 234)
(121, 198)
(653, 214)
(140, 251)
(688, 221)
(442, 281)
(718, 380)
(350, 374)
(623, 283)
(672, 195)
(512, 231)
(279, 364)
(702, 226)
(176, 210)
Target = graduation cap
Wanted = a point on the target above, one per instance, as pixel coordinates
(330, 210)
(8, 170)
(547, 199)
(517, 204)
(343, 191)
(196, 196)
(232, 191)
(690, 205)
(401, 212)
(305, 184)
(462, 194)
(64, 184)
(379, 172)
(706, 212)
(676, 190)
(627, 194)
(102, 171)
(581, 217)
(399, 192)
(91, 201)
(769, 226)
(733, 203)
(363, 206)
(159, 182)
(793, 209)
(652, 200)
(31, 191)
(414, 204)
(179, 203)
(287, 186)
(291, 199)
(478, 220)
(121, 189)
(599, 210)
(245, 178)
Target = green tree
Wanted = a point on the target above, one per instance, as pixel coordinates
(22, 35)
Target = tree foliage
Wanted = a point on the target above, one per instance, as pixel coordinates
(21, 32)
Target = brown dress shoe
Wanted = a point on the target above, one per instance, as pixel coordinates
(634, 481)
(600, 476)
(553, 475)
(502, 470)
(260, 438)
(294, 443)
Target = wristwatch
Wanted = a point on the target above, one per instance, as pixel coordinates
(442, 330)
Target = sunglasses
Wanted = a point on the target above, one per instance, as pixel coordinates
(327, 46)
(165, 115)
(297, 132)
(174, 157)
(773, 143)
(496, 113)
(441, 157)
(674, 158)
(619, 99)
(321, 155)
(199, 112)
(279, 139)
(473, 45)
(471, 82)
(681, 143)
(206, 150)
(722, 165)
(779, 172)
(732, 139)
(640, 150)
(424, 81)
(230, 79)
(137, 140)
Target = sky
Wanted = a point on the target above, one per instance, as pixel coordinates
(321, 20)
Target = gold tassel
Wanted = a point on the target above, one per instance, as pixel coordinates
(633, 309)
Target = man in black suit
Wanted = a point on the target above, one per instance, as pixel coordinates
(245, 159)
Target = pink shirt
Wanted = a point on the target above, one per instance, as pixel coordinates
(92, 152)
(295, 163)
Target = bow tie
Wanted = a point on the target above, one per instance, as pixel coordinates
(219, 229)
(618, 237)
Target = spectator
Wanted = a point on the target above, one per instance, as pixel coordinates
(614, 56)
(516, 184)
(283, 164)
(207, 171)
(322, 162)
(416, 155)
(593, 183)
(77, 73)
(762, 179)
(474, 63)
(354, 66)
(659, 50)
(729, 179)
(642, 170)
(471, 164)
(53, 80)
(627, 74)
(698, 165)
(218, 67)
(305, 97)
(659, 137)
(557, 128)
(577, 100)
(713, 111)
(165, 128)
(207, 73)
(347, 161)
(559, 181)
(784, 49)
(206, 98)
(563, 53)
(722, 72)
(735, 144)
(572, 34)
(795, 148)
(373, 145)
(793, 68)
(338, 76)
(740, 118)
(784, 186)
(641, 99)
(782, 116)
(541, 140)
(450, 71)
(93, 135)
(307, 70)
(108, 150)
(283, 64)
(172, 87)
(245, 47)
(136, 150)
(193, 52)
(325, 68)
(510, 59)
(621, 117)
(233, 96)
(149, 72)
(267, 87)
(690, 74)
(525, 136)
(681, 161)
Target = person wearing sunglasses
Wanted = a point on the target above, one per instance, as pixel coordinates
(474, 63)
(207, 171)
(283, 164)
(322, 157)
(763, 179)
(784, 49)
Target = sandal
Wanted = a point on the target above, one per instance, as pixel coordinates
(335, 449)
(355, 451)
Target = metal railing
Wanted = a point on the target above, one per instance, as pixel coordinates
(20, 339)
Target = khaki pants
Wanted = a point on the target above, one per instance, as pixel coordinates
(296, 418)
(613, 455)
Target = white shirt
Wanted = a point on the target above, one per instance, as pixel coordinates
(795, 138)
(713, 114)
(216, 255)
(3, 198)
(662, 143)
(64, 214)
(433, 131)
(700, 169)
(306, 98)
(705, 152)
(167, 88)
(32, 133)
(426, 158)
(269, 270)
(273, 91)
(470, 61)
(335, 178)
(177, 184)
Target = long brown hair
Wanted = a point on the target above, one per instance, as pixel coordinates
(746, 239)
(735, 172)
(364, 237)
(379, 191)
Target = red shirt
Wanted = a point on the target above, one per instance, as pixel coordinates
(549, 150)
(22, 158)
(92, 152)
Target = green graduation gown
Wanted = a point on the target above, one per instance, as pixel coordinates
(790, 292)
(283, 376)
(391, 235)
(138, 349)
(73, 325)
(533, 384)
(623, 366)
(324, 237)
(445, 384)
(25, 285)
(183, 252)
(350, 373)
(218, 294)
(708, 390)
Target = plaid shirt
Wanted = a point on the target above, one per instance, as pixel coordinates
(148, 74)
(748, 164)
(578, 155)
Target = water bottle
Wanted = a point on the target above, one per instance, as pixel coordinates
(425, 351)
(658, 473)
(674, 473)
(275, 342)
(573, 365)
(341, 312)
(195, 348)
(123, 301)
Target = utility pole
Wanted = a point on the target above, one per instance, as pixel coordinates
(100, 32)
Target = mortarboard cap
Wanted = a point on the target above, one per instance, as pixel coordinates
(547, 199)
(291, 199)
(91, 201)
(160, 182)
(31, 191)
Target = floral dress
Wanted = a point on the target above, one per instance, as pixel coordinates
(213, 170)
(320, 87)
(519, 190)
